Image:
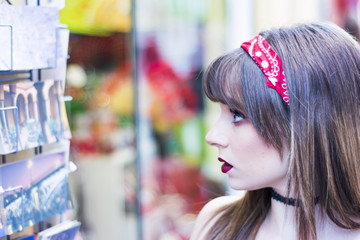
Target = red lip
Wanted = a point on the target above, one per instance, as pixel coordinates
(226, 166)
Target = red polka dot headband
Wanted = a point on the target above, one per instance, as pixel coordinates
(269, 62)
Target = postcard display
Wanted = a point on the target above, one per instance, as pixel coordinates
(33, 47)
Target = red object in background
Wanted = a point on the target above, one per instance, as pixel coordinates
(174, 97)
(345, 14)
(99, 52)
(86, 146)
(342, 6)
(175, 193)
(175, 176)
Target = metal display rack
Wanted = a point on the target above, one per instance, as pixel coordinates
(12, 76)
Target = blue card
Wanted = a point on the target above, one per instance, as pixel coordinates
(66, 230)
(34, 189)
(31, 237)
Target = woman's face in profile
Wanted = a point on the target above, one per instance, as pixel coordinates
(248, 161)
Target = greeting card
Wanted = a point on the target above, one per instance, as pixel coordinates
(33, 190)
(9, 125)
(31, 237)
(62, 43)
(32, 37)
(5, 47)
(24, 97)
(31, 115)
(63, 231)
(53, 117)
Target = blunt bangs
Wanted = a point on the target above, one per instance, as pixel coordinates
(223, 81)
(235, 80)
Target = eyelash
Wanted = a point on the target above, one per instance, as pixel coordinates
(237, 114)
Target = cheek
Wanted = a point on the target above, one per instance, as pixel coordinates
(248, 142)
(254, 154)
(256, 164)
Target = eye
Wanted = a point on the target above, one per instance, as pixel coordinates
(237, 116)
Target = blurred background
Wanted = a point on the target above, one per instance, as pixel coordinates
(138, 115)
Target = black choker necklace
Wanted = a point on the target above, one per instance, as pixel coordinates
(287, 201)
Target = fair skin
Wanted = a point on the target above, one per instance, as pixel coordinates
(253, 164)
(256, 164)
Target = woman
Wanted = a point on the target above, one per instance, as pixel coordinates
(289, 133)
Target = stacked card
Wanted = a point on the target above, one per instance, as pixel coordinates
(66, 230)
(29, 40)
(31, 237)
(33, 190)
(32, 114)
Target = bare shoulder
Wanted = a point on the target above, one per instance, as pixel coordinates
(207, 216)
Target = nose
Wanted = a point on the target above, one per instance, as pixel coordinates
(216, 138)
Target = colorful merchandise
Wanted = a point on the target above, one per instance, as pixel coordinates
(92, 16)
(62, 44)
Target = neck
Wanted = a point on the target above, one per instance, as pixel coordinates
(280, 220)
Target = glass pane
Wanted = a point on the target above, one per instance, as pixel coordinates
(171, 46)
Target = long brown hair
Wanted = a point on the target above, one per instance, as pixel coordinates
(321, 125)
